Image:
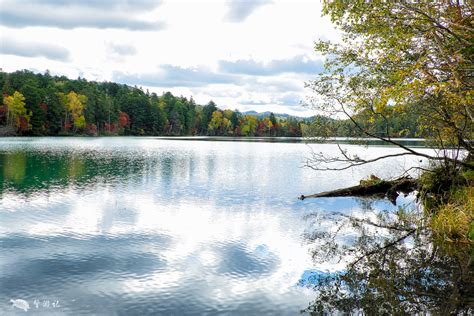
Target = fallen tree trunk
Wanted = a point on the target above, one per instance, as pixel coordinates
(374, 187)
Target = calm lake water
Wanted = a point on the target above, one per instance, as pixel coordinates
(135, 226)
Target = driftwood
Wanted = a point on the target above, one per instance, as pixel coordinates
(373, 187)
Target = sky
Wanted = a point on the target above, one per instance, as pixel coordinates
(242, 54)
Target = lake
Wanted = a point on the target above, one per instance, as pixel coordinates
(166, 226)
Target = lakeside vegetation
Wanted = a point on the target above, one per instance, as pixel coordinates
(396, 58)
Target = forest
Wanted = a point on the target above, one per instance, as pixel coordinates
(41, 104)
(36, 104)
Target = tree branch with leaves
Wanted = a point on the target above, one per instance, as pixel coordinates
(400, 57)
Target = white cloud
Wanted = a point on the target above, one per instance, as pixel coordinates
(121, 49)
(263, 59)
(11, 46)
(296, 64)
(175, 76)
(239, 10)
(70, 15)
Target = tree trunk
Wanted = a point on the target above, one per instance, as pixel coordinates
(377, 189)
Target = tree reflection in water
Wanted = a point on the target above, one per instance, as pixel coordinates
(392, 266)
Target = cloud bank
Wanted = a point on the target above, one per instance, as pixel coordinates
(175, 76)
(298, 64)
(69, 15)
(10, 46)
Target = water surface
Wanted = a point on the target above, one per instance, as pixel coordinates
(148, 226)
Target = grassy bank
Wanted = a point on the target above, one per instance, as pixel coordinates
(447, 195)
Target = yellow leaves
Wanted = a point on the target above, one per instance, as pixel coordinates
(162, 104)
(399, 108)
(228, 113)
(219, 121)
(74, 104)
(15, 100)
(226, 123)
(249, 126)
(80, 121)
(380, 104)
(216, 120)
(16, 110)
(402, 67)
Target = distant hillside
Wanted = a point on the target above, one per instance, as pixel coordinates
(277, 115)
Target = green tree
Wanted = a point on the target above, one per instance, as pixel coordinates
(55, 111)
(33, 98)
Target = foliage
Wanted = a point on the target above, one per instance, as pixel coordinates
(124, 120)
(453, 220)
(248, 125)
(448, 199)
(219, 124)
(58, 105)
(17, 115)
(396, 59)
(401, 68)
(73, 104)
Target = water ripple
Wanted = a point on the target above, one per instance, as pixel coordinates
(146, 226)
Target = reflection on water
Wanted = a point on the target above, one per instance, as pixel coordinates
(392, 267)
(148, 226)
(15, 167)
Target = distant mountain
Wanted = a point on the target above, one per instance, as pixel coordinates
(278, 115)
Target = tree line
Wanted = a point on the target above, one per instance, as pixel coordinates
(38, 104)
(42, 104)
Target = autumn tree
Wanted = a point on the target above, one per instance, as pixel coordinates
(18, 116)
(216, 122)
(264, 127)
(400, 57)
(219, 124)
(124, 120)
(73, 104)
(230, 125)
(248, 127)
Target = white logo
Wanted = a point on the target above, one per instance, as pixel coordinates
(21, 304)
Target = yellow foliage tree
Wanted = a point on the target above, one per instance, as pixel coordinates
(16, 111)
(74, 105)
